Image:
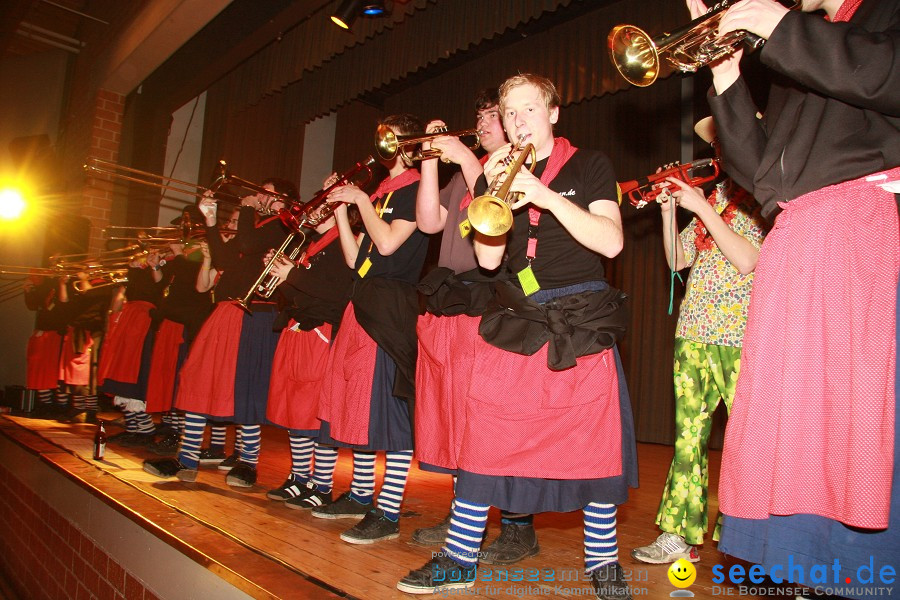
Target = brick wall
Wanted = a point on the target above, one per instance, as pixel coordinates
(44, 556)
(106, 137)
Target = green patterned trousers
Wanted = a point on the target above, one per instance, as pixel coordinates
(704, 375)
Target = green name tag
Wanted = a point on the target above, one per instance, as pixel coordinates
(528, 281)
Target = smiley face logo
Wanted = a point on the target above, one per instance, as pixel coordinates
(682, 573)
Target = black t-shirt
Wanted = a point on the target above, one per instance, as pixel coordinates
(254, 242)
(560, 261)
(405, 264)
(319, 293)
(182, 298)
(141, 287)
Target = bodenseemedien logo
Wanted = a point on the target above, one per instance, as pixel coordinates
(682, 575)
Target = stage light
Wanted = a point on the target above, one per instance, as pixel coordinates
(346, 13)
(12, 204)
(374, 9)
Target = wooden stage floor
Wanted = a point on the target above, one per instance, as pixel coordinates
(244, 536)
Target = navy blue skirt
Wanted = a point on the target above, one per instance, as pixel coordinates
(390, 426)
(137, 390)
(256, 350)
(809, 540)
(530, 495)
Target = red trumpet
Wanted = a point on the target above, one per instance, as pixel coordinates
(645, 190)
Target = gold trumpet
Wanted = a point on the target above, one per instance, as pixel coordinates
(106, 279)
(638, 57)
(388, 144)
(490, 214)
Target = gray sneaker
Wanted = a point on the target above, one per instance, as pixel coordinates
(514, 543)
(667, 548)
(432, 536)
(344, 507)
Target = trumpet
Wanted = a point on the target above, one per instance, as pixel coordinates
(638, 57)
(645, 190)
(388, 144)
(490, 214)
(312, 214)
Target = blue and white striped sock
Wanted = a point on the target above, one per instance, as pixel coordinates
(362, 488)
(600, 544)
(78, 401)
(238, 439)
(217, 437)
(90, 403)
(301, 456)
(130, 421)
(468, 521)
(325, 461)
(61, 396)
(170, 418)
(396, 472)
(144, 423)
(191, 440)
(45, 396)
(250, 436)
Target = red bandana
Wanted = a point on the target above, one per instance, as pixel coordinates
(389, 184)
(847, 10)
(319, 245)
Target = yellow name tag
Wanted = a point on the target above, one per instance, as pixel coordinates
(465, 228)
(528, 281)
(364, 268)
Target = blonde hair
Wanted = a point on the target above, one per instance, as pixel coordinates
(545, 87)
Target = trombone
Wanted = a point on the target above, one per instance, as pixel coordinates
(388, 144)
(221, 177)
(490, 214)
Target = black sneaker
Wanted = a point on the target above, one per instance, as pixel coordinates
(344, 507)
(213, 456)
(168, 468)
(230, 462)
(374, 527)
(291, 488)
(137, 440)
(117, 438)
(432, 536)
(166, 446)
(609, 583)
(242, 475)
(309, 497)
(514, 543)
(438, 574)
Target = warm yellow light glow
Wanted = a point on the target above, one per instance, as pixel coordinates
(12, 204)
(340, 23)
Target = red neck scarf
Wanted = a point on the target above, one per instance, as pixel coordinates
(319, 245)
(389, 184)
(847, 10)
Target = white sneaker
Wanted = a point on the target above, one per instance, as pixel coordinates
(667, 548)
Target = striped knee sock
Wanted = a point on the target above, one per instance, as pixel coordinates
(467, 524)
(171, 419)
(217, 437)
(600, 544)
(250, 435)
(78, 401)
(90, 403)
(191, 439)
(130, 421)
(144, 423)
(238, 439)
(362, 488)
(301, 456)
(325, 461)
(396, 471)
(61, 396)
(45, 396)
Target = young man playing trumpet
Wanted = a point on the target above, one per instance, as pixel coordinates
(457, 293)
(369, 387)
(548, 455)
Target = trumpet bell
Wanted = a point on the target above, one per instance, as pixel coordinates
(634, 54)
(386, 142)
(490, 215)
